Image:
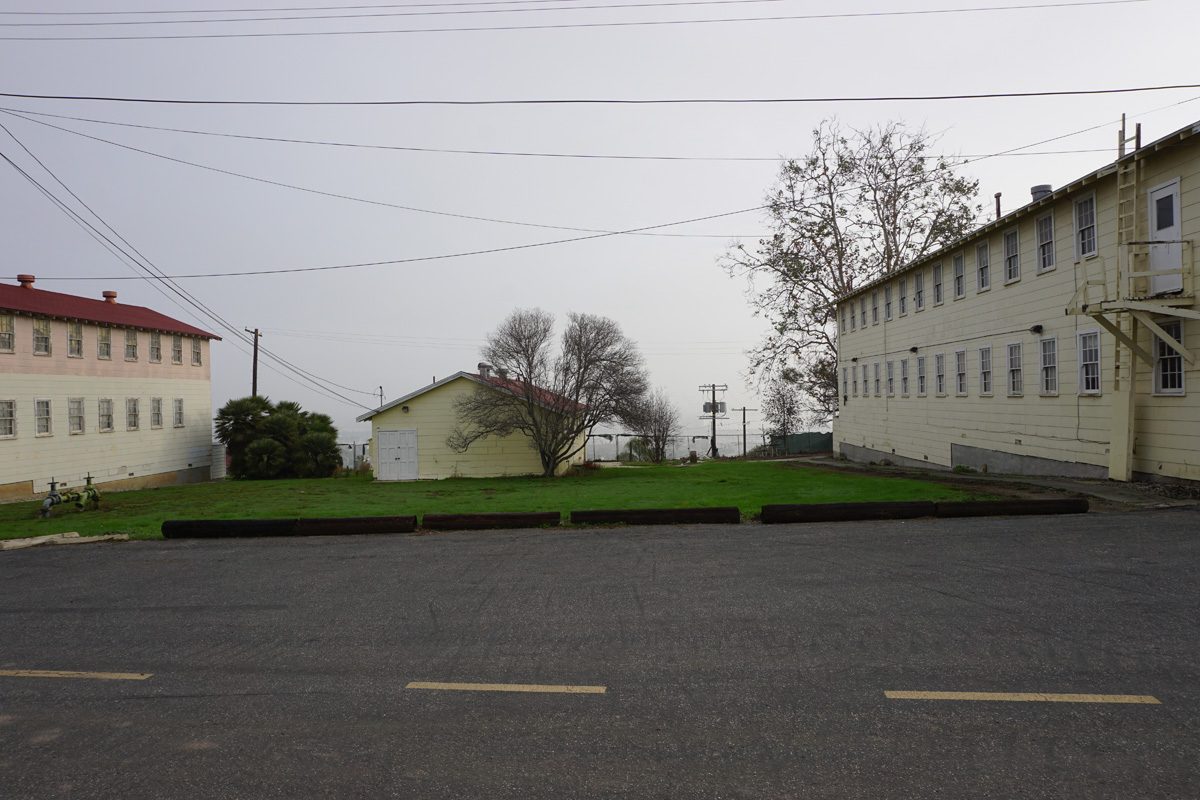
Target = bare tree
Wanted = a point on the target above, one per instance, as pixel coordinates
(554, 398)
(782, 407)
(656, 420)
(863, 203)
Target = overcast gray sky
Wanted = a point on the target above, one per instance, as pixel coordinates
(398, 325)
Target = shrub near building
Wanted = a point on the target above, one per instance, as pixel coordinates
(281, 440)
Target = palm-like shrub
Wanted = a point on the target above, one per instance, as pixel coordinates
(279, 440)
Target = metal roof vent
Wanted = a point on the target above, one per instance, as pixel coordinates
(109, 296)
(485, 369)
(1040, 191)
(26, 281)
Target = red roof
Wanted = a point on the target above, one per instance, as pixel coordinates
(537, 394)
(56, 304)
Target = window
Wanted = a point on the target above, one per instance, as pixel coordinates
(1085, 227)
(41, 337)
(74, 340)
(1045, 243)
(8, 419)
(75, 414)
(196, 362)
(8, 336)
(921, 376)
(862, 304)
(887, 303)
(985, 371)
(877, 379)
(130, 345)
(939, 374)
(902, 296)
(106, 415)
(960, 372)
(904, 377)
(1012, 256)
(891, 378)
(1089, 362)
(960, 276)
(176, 349)
(853, 316)
(131, 413)
(1049, 372)
(1014, 370)
(155, 412)
(854, 379)
(845, 381)
(155, 347)
(919, 291)
(1168, 364)
(874, 308)
(178, 416)
(983, 266)
(104, 343)
(42, 418)
(937, 284)
(843, 319)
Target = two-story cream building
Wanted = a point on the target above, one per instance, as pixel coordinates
(1059, 339)
(95, 387)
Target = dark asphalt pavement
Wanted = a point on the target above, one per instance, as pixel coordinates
(738, 661)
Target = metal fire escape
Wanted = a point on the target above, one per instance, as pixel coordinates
(1123, 301)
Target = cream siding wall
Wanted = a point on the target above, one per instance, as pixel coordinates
(143, 457)
(432, 415)
(1068, 427)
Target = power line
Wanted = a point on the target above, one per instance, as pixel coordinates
(611, 101)
(264, 10)
(360, 145)
(563, 26)
(336, 195)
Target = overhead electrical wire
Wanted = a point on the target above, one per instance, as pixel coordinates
(264, 10)
(160, 279)
(612, 101)
(563, 26)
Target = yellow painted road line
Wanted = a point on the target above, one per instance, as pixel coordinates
(47, 673)
(506, 687)
(1026, 697)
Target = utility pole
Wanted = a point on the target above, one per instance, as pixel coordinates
(254, 374)
(381, 397)
(744, 440)
(713, 409)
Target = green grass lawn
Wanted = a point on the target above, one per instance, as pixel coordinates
(747, 485)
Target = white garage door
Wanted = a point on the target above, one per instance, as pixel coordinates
(397, 455)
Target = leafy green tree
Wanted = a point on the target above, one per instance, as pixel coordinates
(276, 441)
(861, 204)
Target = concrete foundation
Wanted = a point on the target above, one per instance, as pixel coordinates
(865, 455)
(977, 458)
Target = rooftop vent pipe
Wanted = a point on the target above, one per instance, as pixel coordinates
(26, 281)
(485, 369)
(1040, 191)
(109, 296)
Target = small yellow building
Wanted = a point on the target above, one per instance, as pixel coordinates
(1059, 339)
(408, 438)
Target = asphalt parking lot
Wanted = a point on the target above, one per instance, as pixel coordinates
(992, 657)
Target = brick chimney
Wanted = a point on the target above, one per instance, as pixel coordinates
(26, 281)
(109, 296)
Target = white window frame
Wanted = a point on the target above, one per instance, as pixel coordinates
(862, 304)
(921, 383)
(891, 378)
(1079, 229)
(901, 297)
(875, 307)
(939, 294)
(177, 412)
(74, 343)
(133, 416)
(843, 319)
(176, 349)
(960, 275)
(845, 382)
(854, 380)
(104, 344)
(38, 417)
(131, 345)
(983, 267)
(1164, 354)
(1044, 248)
(919, 290)
(876, 382)
(904, 377)
(156, 413)
(43, 334)
(1048, 366)
(1084, 362)
(102, 404)
(985, 371)
(1012, 260)
(853, 317)
(75, 414)
(1014, 376)
(960, 373)
(8, 417)
(197, 353)
(939, 374)
(8, 333)
(887, 303)
(155, 347)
